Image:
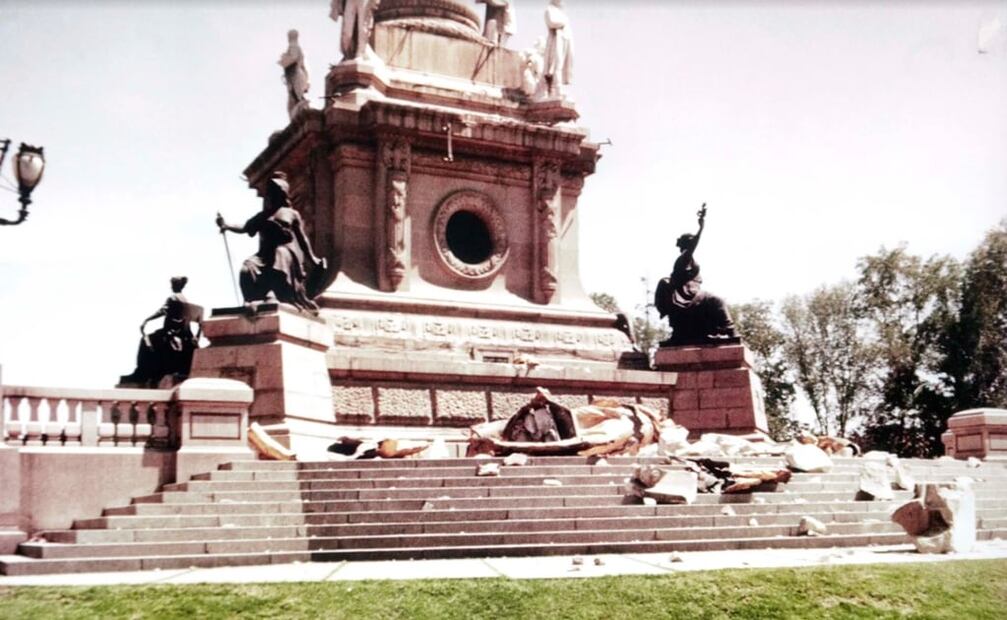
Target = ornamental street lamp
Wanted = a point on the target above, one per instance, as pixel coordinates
(29, 162)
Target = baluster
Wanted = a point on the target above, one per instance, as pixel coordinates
(106, 429)
(52, 428)
(15, 427)
(33, 428)
(160, 435)
(90, 428)
(4, 407)
(72, 430)
(141, 427)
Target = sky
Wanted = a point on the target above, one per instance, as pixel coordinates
(816, 132)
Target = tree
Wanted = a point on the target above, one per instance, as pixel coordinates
(758, 329)
(908, 304)
(976, 345)
(647, 330)
(825, 345)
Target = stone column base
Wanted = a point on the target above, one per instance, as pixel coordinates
(717, 391)
(280, 353)
(981, 433)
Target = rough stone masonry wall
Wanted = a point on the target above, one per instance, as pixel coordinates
(454, 406)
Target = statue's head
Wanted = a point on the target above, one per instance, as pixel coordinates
(558, 3)
(686, 242)
(178, 283)
(277, 190)
(292, 36)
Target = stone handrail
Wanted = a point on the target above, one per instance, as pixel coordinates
(62, 417)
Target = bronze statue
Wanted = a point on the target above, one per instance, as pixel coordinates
(285, 268)
(695, 316)
(168, 351)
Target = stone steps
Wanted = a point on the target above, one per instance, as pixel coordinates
(20, 565)
(255, 512)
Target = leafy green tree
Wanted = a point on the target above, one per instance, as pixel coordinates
(976, 345)
(757, 325)
(824, 343)
(908, 305)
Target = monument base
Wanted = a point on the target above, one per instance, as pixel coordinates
(717, 390)
(280, 353)
(979, 433)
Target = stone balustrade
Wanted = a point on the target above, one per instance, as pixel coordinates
(58, 417)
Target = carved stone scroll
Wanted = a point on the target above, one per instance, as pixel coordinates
(391, 221)
(547, 195)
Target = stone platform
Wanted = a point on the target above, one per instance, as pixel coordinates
(259, 512)
(716, 389)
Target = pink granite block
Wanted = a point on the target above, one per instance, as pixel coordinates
(731, 378)
(684, 399)
(722, 398)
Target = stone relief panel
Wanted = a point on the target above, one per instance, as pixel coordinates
(547, 204)
(353, 403)
(392, 231)
(405, 404)
(468, 405)
(505, 404)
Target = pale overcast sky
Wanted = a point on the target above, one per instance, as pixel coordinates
(816, 132)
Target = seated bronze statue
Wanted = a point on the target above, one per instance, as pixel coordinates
(166, 354)
(695, 316)
(285, 267)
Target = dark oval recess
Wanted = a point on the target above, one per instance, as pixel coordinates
(469, 238)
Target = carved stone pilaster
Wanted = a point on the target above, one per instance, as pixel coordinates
(391, 223)
(547, 201)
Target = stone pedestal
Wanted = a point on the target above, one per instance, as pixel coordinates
(981, 433)
(280, 353)
(716, 391)
(211, 424)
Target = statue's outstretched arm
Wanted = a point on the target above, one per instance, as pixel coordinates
(163, 311)
(225, 227)
(702, 223)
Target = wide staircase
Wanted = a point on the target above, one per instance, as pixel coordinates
(267, 512)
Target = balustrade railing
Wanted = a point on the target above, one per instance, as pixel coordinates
(58, 417)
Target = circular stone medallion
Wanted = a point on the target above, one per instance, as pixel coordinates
(470, 235)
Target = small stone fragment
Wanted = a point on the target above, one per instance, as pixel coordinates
(753, 522)
(973, 462)
(577, 561)
(758, 500)
(649, 501)
(552, 482)
(601, 462)
(810, 526)
(675, 557)
(727, 511)
(515, 460)
(599, 562)
(488, 469)
(427, 506)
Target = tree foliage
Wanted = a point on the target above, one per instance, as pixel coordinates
(830, 357)
(908, 304)
(976, 344)
(756, 323)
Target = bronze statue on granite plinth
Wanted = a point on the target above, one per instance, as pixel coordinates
(695, 316)
(285, 268)
(168, 351)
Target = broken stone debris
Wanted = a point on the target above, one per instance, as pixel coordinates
(874, 481)
(266, 446)
(552, 482)
(808, 458)
(516, 459)
(941, 518)
(664, 486)
(675, 557)
(810, 526)
(488, 469)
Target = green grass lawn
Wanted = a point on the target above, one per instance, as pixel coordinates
(960, 590)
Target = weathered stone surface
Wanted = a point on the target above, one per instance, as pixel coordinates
(353, 402)
(404, 404)
(467, 405)
(505, 404)
(942, 518)
(808, 458)
(571, 401)
(874, 481)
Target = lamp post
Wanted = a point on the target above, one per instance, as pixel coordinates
(29, 163)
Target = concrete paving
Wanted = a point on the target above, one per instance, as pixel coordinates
(550, 567)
